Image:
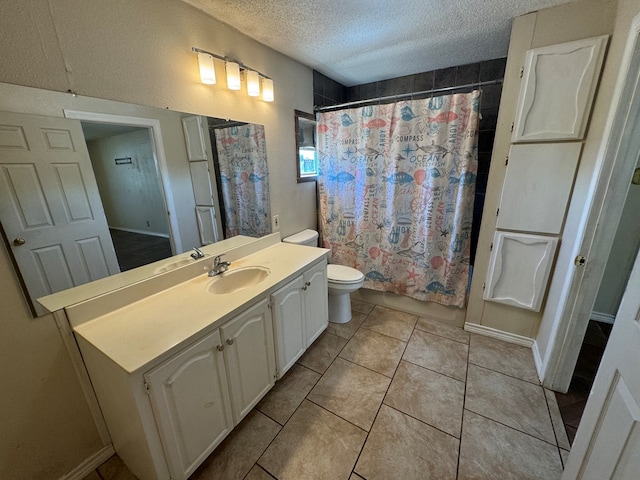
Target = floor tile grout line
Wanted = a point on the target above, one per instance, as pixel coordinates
(336, 414)
(442, 336)
(362, 366)
(553, 426)
(510, 426)
(421, 421)
(505, 374)
(380, 333)
(282, 426)
(434, 371)
(464, 401)
(381, 403)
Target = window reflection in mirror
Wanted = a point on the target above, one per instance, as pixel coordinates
(306, 153)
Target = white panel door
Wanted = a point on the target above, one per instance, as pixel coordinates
(607, 444)
(190, 400)
(316, 301)
(50, 207)
(201, 181)
(207, 225)
(248, 341)
(519, 269)
(537, 187)
(557, 90)
(194, 129)
(289, 324)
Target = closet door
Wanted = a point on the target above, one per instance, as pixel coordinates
(558, 85)
(537, 187)
(201, 181)
(519, 269)
(194, 137)
(206, 217)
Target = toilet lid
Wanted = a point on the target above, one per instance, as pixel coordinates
(343, 274)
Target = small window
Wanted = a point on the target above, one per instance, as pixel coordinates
(306, 153)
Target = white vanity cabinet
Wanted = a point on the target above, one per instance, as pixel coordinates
(191, 404)
(200, 394)
(301, 313)
(250, 357)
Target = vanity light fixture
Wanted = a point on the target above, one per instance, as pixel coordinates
(235, 73)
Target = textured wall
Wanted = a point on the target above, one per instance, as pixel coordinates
(137, 52)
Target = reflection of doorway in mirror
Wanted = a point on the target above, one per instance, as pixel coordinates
(124, 165)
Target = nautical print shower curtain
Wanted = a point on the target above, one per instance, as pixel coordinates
(242, 159)
(397, 188)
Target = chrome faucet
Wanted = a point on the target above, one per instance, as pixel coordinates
(218, 266)
(197, 253)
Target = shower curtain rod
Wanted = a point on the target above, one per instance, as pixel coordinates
(403, 95)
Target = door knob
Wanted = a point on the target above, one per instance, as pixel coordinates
(19, 241)
(220, 348)
(230, 341)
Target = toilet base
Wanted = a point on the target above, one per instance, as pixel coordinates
(340, 308)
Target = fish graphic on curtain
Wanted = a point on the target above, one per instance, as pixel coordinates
(397, 191)
(242, 160)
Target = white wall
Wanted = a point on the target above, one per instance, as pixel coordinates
(136, 52)
(623, 253)
(130, 192)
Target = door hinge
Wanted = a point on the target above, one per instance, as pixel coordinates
(521, 72)
(506, 160)
(146, 387)
(512, 125)
(580, 261)
(491, 247)
(484, 285)
(497, 212)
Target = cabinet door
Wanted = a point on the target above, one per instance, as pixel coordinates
(194, 129)
(190, 401)
(316, 301)
(248, 341)
(289, 324)
(557, 90)
(207, 225)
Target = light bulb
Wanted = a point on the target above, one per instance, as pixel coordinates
(267, 90)
(207, 72)
(233, 76)
(253, 83)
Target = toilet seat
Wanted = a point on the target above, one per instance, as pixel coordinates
(343, 275)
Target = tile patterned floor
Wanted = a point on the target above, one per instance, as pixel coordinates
(392, 396)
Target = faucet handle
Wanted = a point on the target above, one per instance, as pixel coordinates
(217, 258)
(197, 253)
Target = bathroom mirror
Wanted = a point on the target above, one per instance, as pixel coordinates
(147, 178)
(306, 153)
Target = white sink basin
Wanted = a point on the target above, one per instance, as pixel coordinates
(234, 280)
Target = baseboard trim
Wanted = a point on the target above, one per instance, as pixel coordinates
(603, 317)
(90, 464)
(499, 334)
(537, 359)
(143, 232)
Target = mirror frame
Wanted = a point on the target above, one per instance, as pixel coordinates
(298, 116)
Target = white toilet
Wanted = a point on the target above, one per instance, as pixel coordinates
(342, 280)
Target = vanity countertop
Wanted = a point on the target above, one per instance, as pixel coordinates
(135, 335)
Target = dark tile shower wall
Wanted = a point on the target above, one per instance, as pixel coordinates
(328, 92)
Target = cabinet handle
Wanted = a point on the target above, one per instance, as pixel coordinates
(230, 341)
(220, 348)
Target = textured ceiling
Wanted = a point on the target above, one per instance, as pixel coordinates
(361, 41)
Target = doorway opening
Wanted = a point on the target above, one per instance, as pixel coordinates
(607, 301)
(616, 274)
(123, 161)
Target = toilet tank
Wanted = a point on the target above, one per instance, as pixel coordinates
(305, 237)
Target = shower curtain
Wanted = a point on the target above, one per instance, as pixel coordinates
(397, 188)
(242, 160)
